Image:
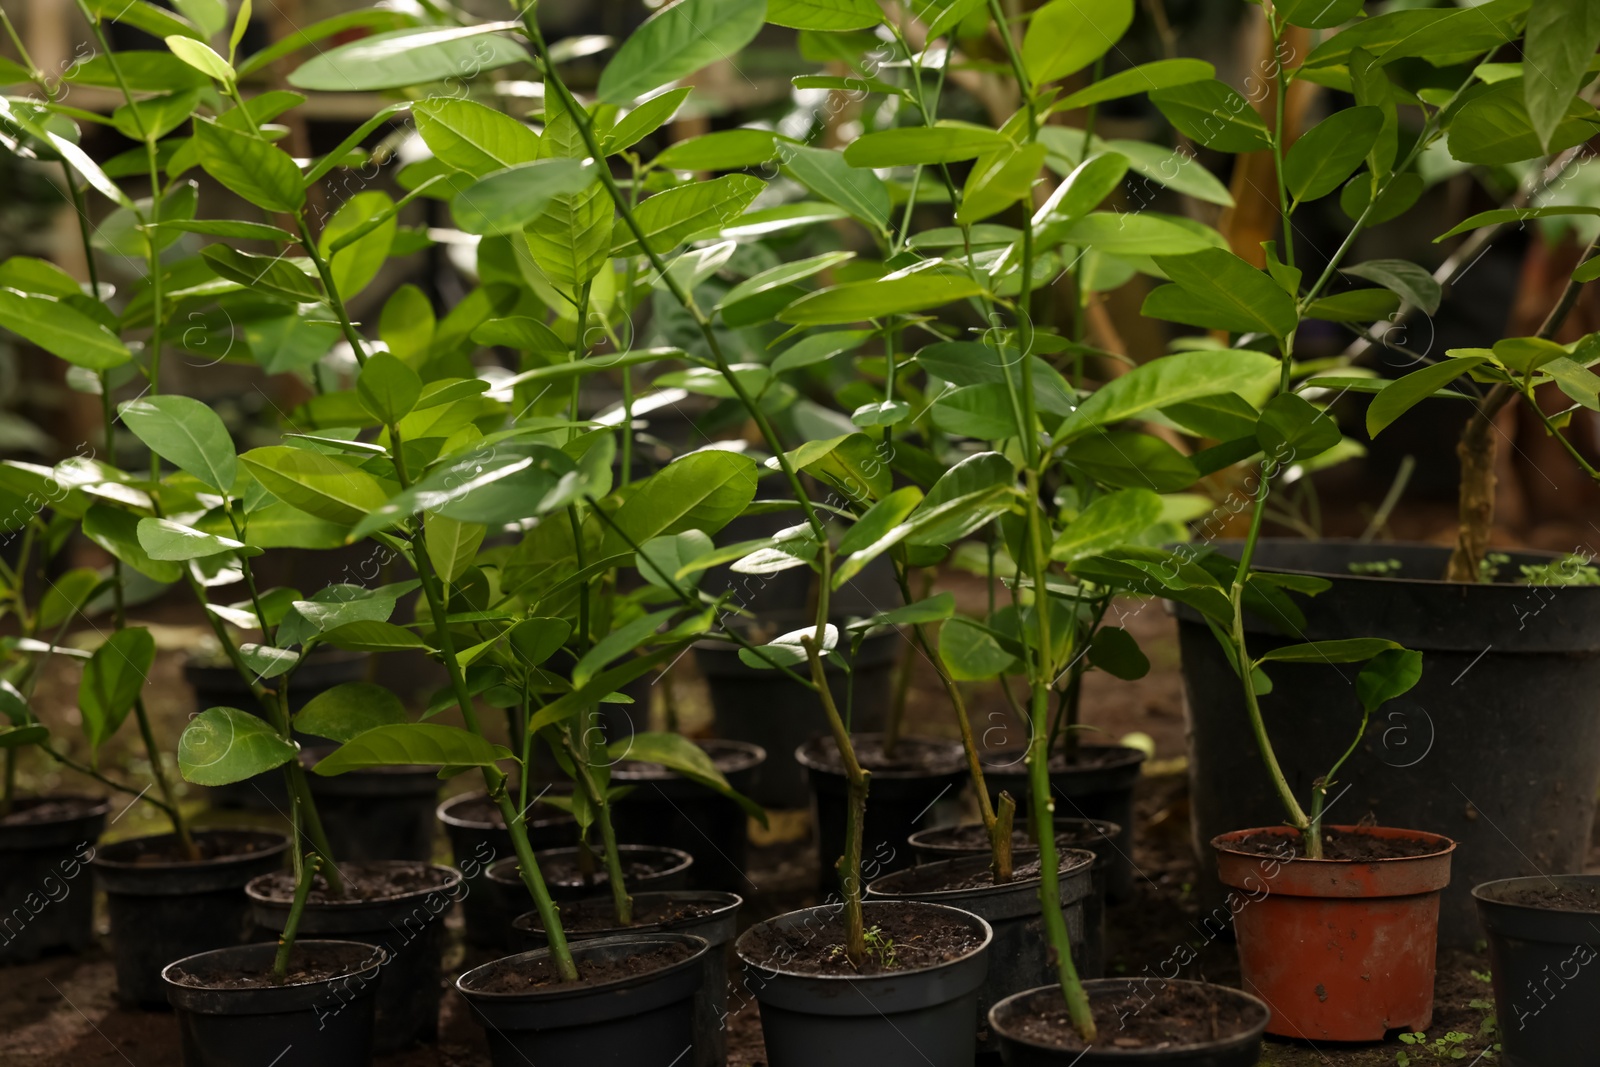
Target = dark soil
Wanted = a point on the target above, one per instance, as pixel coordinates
(916, 939)
(31, 811)
(1555, 898)
(210, 844)
(526, 975)
(1088, 757)
(363, 883)
(913, 756)
(307, 964)
(1339, 845)
(486, 812)
(588, 916)
(972, 837)
(563, 869)
(922, 880)
(1160, 1016)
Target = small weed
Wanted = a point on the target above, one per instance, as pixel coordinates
(880, 946)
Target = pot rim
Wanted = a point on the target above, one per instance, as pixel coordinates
(97, 805)
(375, 959)
(749, 756)
(1155, 1055)
(768, 969)
(685, 859)
(730, 902)
(451, 880)
(445, 815)
(563, 990)
(1221, 842)
(988, 760)
(1482, 898)
(1085, 861)
(1107, 830)
(958, 764)
(281, 846)
(1526, 553)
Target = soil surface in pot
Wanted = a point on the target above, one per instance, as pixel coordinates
(1086, 758)
(1554, 898)
(725, 761)
(526, 975)
(973, 836)
(29, 811)
(483, 810)
(920, 880)
(599, 914)
(1170, 1016)
(363, 883)
(210, 844)
(1337, 845)
(906, 941)
(307, 963)
(563, 870)
(913, 755)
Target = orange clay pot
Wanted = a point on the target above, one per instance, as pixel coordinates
(1340, 950)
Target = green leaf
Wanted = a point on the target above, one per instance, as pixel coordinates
(1346, 650)
(1224, 416)
(508, 200)
(1126, 458)
(967, 497)
(17, 736)
(668, 561)
(326, 487)
(156, 21)
(829, 15)
(200, 56)
(1403, 191)
(272, 274)
(112, 681)
(1317, 14)
(266, 661)
(1494, 127)
(221, 746)
(1560, 42)
(827, 174)
(677, 41)
(645, 119)
(722, 150)
(186, 433)
(412, 744)
(935, 608)
(862, 301)
(116, 531)
(155, 116)
(1355, 305)
(1214, 114)
(410, 57)
(373, 635)
(1137, 234)
(618, 642)
(1114, 651)
(67, 596)
(346, 710)
(1576, 380)
(982, 411)
(818, 347)
(536, 640)
(1329, 152)
(879, 521)
(355, 264)
(491, 484)
(1519, 215)
(1411, 283)
(62, 330)
(972, 653)
(1145, 78)
(388, 388)
(257, 170)
(1064, 36)
(471, 137)
(1218, 290)
(677, 753)
(854, 464)
(668, 218)
(701, 491)
(788, 650)
(999, 179)
(1110, 520)
(906, 146)
(452, 545)
(163, 539)
(1171, 380)
(1402, 394)
(751, 301)
(244, 231)
(1387, 675)
(1291, 430)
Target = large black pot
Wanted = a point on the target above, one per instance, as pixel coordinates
(668, 809)
(1099, 785)
(408, 925)
(46, 904)
(478, 838)
(1019, 956)
(381, 813)
(1113, 998)
(164, 908)
(323, 1021)
(1543, 958)
(775, 713)
(918, 1016)
(899, 800)
(1497, 746)
(669, 868)
(715, 918)
(643, 1020)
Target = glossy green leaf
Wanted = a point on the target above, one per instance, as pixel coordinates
(1114, 650)
(221, 746)
(409, 57)
(1109, 521)
(1388, 674)
(452, 545)
(256, 170)
(1402, 394)
(1494, 127)
(722, 150)
(18, 736)
(645, 119)
(187, 433)
(357, 262)
(1407, 280)
(326, 487)
(113, 680)
(1064, 36)
(971, 653)
(1345, 650)
(1329, 152)
(967, 497)
(493, 484)
(348, 710)
(828, 174)
(472, 137)
(677, 753)
(1354, 305)
(163, 539)
(1317, 14)
(701, 491)
(862, 301)
(1292, 430)
(200, 56)
(1128, 459)
(677, 41)
(666, 219)
(735, 306)
(788, 650)
(1214, 114)
(388, 388)
(1216, 289)
(62, 330)
(906, 146)
(117, 531)
(372, 635)
(998, 179)
(1171, 380)
(412, 744)
(668, 562)
(508, 200)
(619, 642)
(272, 274)
(1517, 215)
(1560, 43)
(1145, 78)
(829, 15)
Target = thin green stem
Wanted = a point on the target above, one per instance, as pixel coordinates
(305, 876)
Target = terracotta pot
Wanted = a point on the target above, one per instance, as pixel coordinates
(1340, 950)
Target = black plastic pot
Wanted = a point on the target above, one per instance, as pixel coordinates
(46, 904)
(897, 802)
(717, 928)
(1094, 835)
(671, 810)
(408, 925)
(383, 813)
(1546, 976)
(1019, 956)
(764, 708)
(221, 686)
(629, 1022)
(671, 872)
(922, 1017)
(1241, 1048)
(163, 909)
(478, 838)
(1099, 786)
(1459, 755)
(327, 1021)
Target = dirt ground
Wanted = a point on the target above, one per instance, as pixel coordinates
(61, 1012)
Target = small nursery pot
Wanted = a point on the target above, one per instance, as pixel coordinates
(1098, 786)
(163, 907)
(1095, 835)
(645, 868)
(1019, 956)
(1543, 932)
(671, 810)
(623, 1021)
(478, 837)
(1343, 950)
(901, 796)
(710, 915)
(46, 844)
(328, 1019)
(407, 921)
(1025, 1042)
(921, 1016)
(382, 813)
